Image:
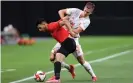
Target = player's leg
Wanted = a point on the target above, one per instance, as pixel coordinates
(70, 68)
(63, 64)
(67, 47)
(86, 65)
(59, 58)
(79, 55)
(53, 52)
(57, 64)
(52, 57)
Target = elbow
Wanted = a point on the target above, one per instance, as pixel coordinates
(59, 12)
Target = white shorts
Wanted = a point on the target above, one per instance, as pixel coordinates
(78, 51)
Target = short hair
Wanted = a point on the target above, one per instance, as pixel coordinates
(39, 21)
(90, 5)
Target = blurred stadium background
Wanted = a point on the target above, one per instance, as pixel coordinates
(110, 33)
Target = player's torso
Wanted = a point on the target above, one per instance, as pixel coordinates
(74, 18)
(60, 34)
(57, 32)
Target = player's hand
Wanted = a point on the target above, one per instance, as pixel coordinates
(65, 18)
(73, 34)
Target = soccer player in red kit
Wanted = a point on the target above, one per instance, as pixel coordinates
(80, 21)
(62, 34)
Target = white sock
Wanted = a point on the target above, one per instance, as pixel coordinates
(89, 69)
(63, 64)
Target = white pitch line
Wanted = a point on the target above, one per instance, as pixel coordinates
(11, 70)
(76, 65)
(7, 70)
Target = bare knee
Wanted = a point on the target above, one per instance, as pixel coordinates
(59, 57)
(52, 57)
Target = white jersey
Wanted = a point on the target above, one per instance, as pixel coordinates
(75, 20)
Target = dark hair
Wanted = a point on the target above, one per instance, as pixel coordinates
(40, 21)
(90, 5)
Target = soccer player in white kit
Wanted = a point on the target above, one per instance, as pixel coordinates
(79, 20)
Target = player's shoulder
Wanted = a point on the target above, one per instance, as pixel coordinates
(51, 24)
(75, 9)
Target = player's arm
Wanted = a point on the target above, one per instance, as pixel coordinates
(78, 30)
(68, 25)
(68, 11)
(62, 13)
(82, 27)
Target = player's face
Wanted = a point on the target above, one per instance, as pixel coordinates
(87, 11)
(42, 27)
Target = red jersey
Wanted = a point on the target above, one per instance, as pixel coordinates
(58, 32)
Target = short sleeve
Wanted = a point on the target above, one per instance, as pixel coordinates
(70, 10)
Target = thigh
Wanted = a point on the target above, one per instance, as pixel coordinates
(63, 51)
(67, 47)
(78, 52)
(54, 50)
(56, 47)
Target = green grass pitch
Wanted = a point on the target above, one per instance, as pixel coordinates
(26, 60)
